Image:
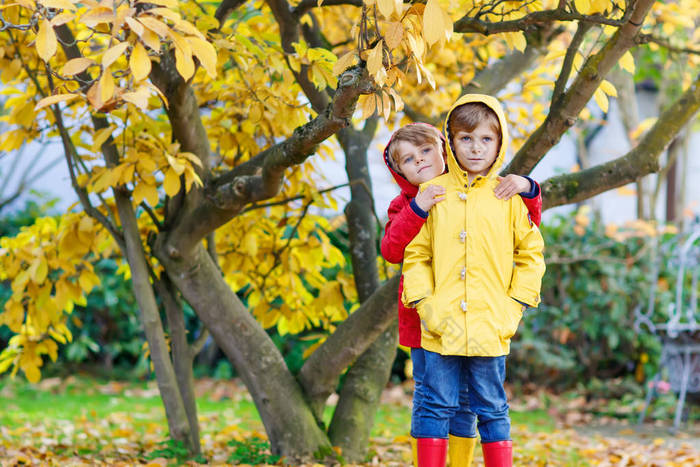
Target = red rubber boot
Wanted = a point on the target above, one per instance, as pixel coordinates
(432, 452)
(498, 454)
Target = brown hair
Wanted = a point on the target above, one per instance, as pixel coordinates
(416, 134)
(466, 117)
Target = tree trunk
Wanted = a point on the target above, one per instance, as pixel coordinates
(140, 281)
(354, 415)
(181, 354)
(359, 399)
(288, 420)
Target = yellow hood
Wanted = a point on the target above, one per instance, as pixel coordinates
(494, 105)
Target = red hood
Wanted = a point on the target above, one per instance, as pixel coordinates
(407, 189)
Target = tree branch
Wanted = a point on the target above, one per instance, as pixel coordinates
(568, 62)
(563, 114)
(646, 38)
(289, 34)
(530, 21)
(352, 337)
(225, 8)
(640, 161)
(261, 178)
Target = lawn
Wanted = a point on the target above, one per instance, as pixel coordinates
(87, 421)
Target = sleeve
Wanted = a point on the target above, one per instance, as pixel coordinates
(528, 258)
(404, 223)
(418, 280)
(533, 201)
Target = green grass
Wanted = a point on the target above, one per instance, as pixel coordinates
(29, 403)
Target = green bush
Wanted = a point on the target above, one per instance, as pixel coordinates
(584, 327)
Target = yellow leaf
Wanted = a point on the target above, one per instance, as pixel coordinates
(134, 25)
(58, 4)
(167, 3)
(75, 66)
(101, 136)
(375, 59)
(369, 103)
(171, 183)
(344, 62)
(154, 25)
(176, 164)
(398, 102)
(46, 41)
(393, 34)
(627, 62)
(608, 88)
(112, 54)
(386, 105)
(139, 63)
(205, 53)
(433, 27)
(62, 18)
(517, 40)
(191, 157)
(46, 101)
(88, 280)
(32, 373)
(106, 86)
(601, 99)
(183, 56)
(583, 6)
(144, 191)
(249, 244)
(139, 97)
(386, 7)
(642, 128)
(39, 270)
(165, 13)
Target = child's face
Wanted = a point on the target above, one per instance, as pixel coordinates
(421, 163)
(476, 150)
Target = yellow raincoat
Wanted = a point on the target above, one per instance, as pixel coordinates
(474, 255)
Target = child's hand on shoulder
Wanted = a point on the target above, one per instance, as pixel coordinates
(432, 195)
(511, 185)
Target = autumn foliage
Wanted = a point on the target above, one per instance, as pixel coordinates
(187, 129)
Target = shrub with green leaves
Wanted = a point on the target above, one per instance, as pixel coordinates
(584, 327)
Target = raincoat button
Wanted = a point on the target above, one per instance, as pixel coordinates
(462, 236)
(463, 305)
(463, 273)
(462, 196)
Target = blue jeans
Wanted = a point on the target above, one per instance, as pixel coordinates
(463, 421)
(440, 391)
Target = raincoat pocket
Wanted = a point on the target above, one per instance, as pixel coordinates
(430, 315)
(513, 313)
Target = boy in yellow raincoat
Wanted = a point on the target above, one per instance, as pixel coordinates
(472, 269)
